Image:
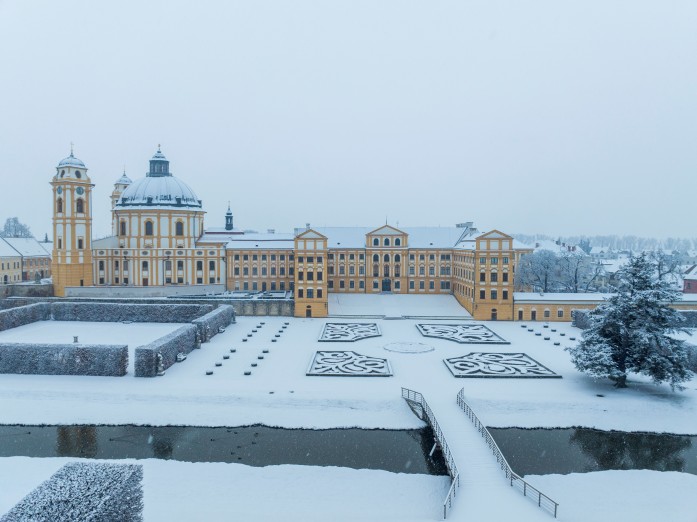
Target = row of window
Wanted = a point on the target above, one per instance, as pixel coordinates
(178, 228)
(79, 206)
(493, 277)
(282, 257)
(15, 264)
(547, 314)
(309, 293)
(167, 264)
(493, 260)
(264, 271)
(494, 294)
(444, 285)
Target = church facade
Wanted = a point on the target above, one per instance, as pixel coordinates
(159, 239)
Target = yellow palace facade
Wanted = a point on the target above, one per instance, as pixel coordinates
(160, 246)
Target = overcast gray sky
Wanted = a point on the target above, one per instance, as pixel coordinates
(559, 117)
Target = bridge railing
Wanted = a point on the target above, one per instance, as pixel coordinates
(516, 480)
(415, 398)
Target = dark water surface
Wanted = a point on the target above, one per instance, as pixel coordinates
(579, 450)
(400, 451)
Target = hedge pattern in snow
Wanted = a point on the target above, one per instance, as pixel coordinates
(14, 317)
(209, 324)
(89, 492)
(64, 359)
(137, 313)
(181, 340)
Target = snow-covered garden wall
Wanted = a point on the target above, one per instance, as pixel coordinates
(64, 359)
(14, 317)
(85, 491)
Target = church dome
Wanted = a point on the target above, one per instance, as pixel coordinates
(71, 161)
(159, 188)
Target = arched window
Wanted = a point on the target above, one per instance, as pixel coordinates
(179, 228)
(59, 205)
(386, 270)
(376, 258)
(80, 206)
(145, 266)
(386, 258)
(397, 257)
(77, 174)
(376, 242)
(387, 241)
(397, 242)
(122, 228)
(148, 228)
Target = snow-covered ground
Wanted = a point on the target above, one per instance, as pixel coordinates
(278, 393)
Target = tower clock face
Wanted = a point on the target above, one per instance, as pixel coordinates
(80, 191)
(59, 190)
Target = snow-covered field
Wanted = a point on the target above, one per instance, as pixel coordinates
(278, 393)
(395, 305)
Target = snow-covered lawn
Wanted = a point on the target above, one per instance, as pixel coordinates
(395, 305)
(278, 393)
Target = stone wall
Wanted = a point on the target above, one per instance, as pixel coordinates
(26, 290)
(257, 307)
(117, 292)
(64, 359)
(209, 324)
(137, 313)
(182, 340)
(14, 317)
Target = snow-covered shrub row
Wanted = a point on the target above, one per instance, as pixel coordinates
(87, 492)
(580, 319)
(64, 359)
(14, 317)
(258, 307)
(208, 324)
(138, 313)
(181, 340)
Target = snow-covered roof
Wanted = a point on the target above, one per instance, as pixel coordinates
(71, 161)
(261, 242)
(106, 242)
(6, 250)
(47, 246)
(26, 246)
(123, 180)
(529, 297)
(157, 192)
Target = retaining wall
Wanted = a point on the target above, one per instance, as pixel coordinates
(182, 340)
(142, 291)
(64, 359)
(26, 290)
(14, 317)
(257, 307)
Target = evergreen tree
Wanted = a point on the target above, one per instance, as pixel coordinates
(630, 332)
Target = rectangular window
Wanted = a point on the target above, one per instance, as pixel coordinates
(263, 270)
(263, 257)
(421, 285)
(319, 276)
(482, 277)
(504, 277)
(351, 257)
(482, 294)
(375, 285)
(255, 285)
(310, 276)
(361, 270)
(246, 270)
(331, 270)
(273, 257)
(80, 243)
(505, 260)
(482, 260)
(560, 312)
(352, 270)
(411, 285)
(505, 295)
(361, 284)
(494, 260)
(494, 294)
(431, 270)
(245, 286)
(310, 293)
(397, 285)
(282, 270)
(211, 265)
(546, 314)
(255, 271)
(319, 293)
(300, 293)
(330, 284)
(283, 285)
(273, 270)
(494, 277)
(411, 270)
(282, 257)
(254, 257)
(341, 257)
(341, 284)
(431, 285)
(245, 257)
(352, 284)
(342, 270)
(301, 276)
(422, 270)
(237, 257)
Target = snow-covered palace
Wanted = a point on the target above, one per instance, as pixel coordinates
(160, 246)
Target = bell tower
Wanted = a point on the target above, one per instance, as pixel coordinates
(120, 185)
(72, 226)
